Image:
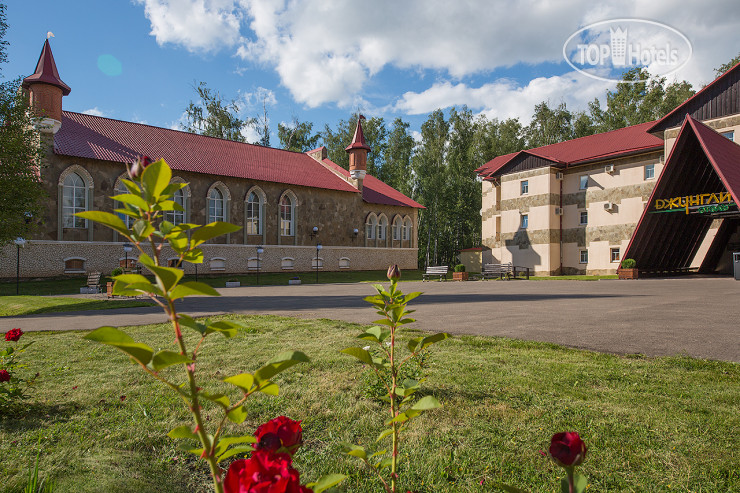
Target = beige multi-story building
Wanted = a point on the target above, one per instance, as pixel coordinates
(574, 207)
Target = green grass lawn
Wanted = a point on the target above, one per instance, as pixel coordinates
(14, 306)
(651, 424)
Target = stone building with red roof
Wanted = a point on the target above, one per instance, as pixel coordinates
(583, 205)
(286, 202)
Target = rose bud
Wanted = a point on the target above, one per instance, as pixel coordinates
(394, 272)
(567, 449)
(137, 167)
(13, 335)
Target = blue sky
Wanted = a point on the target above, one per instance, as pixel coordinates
(320, 60)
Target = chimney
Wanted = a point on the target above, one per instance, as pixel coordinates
(357, 151)
(46, 90)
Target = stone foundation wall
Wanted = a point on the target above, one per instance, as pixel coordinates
(47, 258)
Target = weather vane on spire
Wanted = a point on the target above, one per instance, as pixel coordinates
(49, 34)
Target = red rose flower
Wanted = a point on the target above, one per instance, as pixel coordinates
(4, 376)
(567, 449)
(13, 335)
(137, 167)
(279, 432)
(264, 472)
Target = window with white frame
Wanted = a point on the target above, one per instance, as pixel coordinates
(216, 206)
(397, 226)
(584, 256)
(382, 227)
(524, 187)
(584, 218)
(407, 225)
(218, 263)
(177, 217)
(614, 254)
(583, 185)
(730, 135)
(74, 200)
(254, 214)
(287, 216)
(524, 221)
(127, 220)
(371, 226)
(649, 171)
(344, 263)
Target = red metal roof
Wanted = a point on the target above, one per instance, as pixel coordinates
(46, 71)
(375, 191)
(358, 142)
(94, 137)
(723, 153)
(592, 147)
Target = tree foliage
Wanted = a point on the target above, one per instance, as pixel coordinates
(298, 136)
(21, 153)
(336, 141)
(213, 116)
(726, 66)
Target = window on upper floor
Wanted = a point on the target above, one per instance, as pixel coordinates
(649, 171)
(524, 221)
(584, 218)
(287, 216)
(730, 135)
(524, 187)
(583, 183)
(584, 256)
(74, 200)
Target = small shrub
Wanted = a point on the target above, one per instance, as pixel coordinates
(116, 272)
(460, 268)
(628, 263)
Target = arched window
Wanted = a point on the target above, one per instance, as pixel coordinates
(287, 215)
(407, 225)
(397, 226)
(216, 206)
(177, 217)
(120, 190)
(382, 227)
(254, 213)
(371, 225)
(74, 200)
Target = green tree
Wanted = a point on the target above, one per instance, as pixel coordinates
(549, 125)
(215, 117)
(298, 136)
(726, 66)
(21, 153)
(396, 170)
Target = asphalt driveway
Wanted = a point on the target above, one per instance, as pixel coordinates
(694, 316)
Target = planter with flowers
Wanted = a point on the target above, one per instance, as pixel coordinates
(459, 273)
(628, 269)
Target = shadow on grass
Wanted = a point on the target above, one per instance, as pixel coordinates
(36, 416)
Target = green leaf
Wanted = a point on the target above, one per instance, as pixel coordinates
(244, 381)
(422, 343)
(194, 256)
(235, 451)
(411, 296)
(173, 187)
(131, 186)
(384, 434)
(426, 403)
(192, 288)
(326, 482)
(353, 450)
(359, 353)
(164, 358)
(155, 179)
(142, 229)
(182, 432)
(133, 200)
(168, 276)
(226, 441)
(237, 415)
(269, 388)
(384, 463)
(120, 340)
(220, 399)
(212, 230)
(192, 324)
(579, 483)
(280, 363)
(225, 327)
(107, 219)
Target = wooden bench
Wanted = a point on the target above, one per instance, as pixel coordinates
(436, 271)
(93, 283)
(497, 270)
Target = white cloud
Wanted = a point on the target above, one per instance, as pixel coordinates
(329, 52)
(198, 25)
(94, 112)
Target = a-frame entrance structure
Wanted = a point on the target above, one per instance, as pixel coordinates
(699, 184)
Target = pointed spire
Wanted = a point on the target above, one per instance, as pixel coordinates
(358, 142)
(46, 72)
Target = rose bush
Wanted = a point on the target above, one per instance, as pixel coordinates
(14, 383)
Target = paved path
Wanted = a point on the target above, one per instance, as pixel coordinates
(695, 316)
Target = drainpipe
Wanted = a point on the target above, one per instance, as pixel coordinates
(561, 223)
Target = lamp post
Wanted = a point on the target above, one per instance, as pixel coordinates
(318, 249)
(19, 243)
(260, 250)
(127, 247)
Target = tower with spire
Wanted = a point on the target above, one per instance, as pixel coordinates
(46, 90)
(357, 151)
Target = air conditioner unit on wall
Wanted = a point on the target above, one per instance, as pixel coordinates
(558, 211)
(558, 175)
(609, 168)
(609, 206)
